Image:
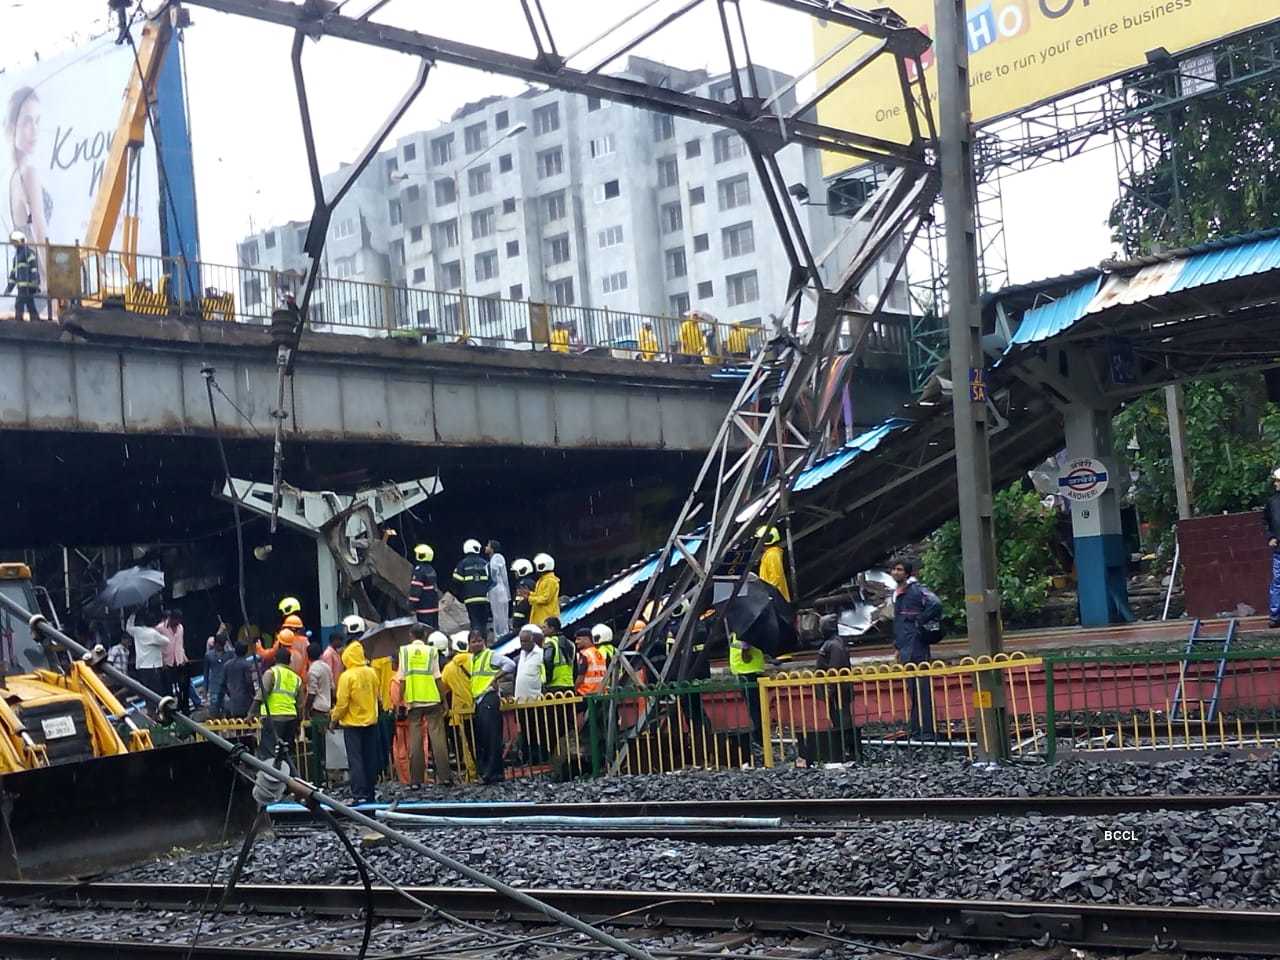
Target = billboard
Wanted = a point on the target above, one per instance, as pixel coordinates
(60, 115)
(1022, 52)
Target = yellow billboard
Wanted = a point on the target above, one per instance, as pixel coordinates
(1022, 52)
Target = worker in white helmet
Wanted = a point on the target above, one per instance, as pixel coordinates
(544, 598)
(602, 637)
(472, 577)
(522, 570)
(24, 277)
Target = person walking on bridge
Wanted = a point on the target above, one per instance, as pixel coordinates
(24, 275)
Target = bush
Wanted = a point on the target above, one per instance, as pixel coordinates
(1025, 531)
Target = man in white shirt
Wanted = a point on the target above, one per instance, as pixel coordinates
(149, 646)
(529, 664)
(317, 706)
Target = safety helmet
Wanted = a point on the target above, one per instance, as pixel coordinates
(769, 535)
(353, 626)
(1275, 474)
(521, 567)
(17, 237)
(438, 641)
(423, 553)
(471, 546)
(290, 605)
(459, 644)
(544, 563)
(293, 622)
(601, 634)
(639, 626)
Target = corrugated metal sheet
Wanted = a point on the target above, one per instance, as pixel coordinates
(1041, 323)
(1218, 262)
(863, 443)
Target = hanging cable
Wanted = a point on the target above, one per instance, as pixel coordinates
(207, 373)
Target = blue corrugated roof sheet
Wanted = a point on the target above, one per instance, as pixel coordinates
(1244, 260)
(1041, 323)
(863, 443)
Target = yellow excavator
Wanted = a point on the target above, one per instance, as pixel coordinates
(82, 787)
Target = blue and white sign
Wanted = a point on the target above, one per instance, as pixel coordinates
(1083, 480)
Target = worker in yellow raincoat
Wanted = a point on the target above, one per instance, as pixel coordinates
(647, 341)
(772, 569)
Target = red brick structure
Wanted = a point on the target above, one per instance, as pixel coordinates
(1225, 561)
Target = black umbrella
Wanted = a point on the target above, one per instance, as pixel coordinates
(758, 615)
(131, 588)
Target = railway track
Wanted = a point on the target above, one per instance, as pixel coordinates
(318, 920)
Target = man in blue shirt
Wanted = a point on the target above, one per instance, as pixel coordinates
(916, 613)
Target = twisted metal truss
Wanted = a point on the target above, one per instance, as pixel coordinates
(775, 425)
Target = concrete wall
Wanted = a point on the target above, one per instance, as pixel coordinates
(115, 373)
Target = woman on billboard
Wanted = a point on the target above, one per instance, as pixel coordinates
(30, 205)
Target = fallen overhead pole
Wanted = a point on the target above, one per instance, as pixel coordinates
(1251, 931)
(305, 792)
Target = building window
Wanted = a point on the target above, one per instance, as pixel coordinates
(697, 195)
(593, 104)
(509, 205)
(422, 319)
(692, 148)
(249, 253)
(392, 166)
(664, 126)
(562, 292)
(738, 239)
(447, 234)
(614, 282)
(479, 180)
(608, 190)
(504, 163)
(558, 249)
(668, 172)
(482, 223)
(554, 206)
(550, 163)
(672, 218)
(253, 291)
(415, 234)
(302, 238)
(722, 91)
(345, 227)
(410, 152)
(344, 268)
(476, 137)
(727, 145)
(742, 288)
(513, 248)
(734, 192)
(397, 252)
(704, 290)
(451, 274)
(500, 120)
(701, 243)
(269, 239)
(678, 304)
(546, 119)
(488, 310)
(446, 193)
(393, 211)
(603, 146)
(516, 292)
(676, 264)
(487, 265)
(442, 149)
(411, 194)
(419, 274)
(610, 236)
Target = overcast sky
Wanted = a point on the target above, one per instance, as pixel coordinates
(250, 164)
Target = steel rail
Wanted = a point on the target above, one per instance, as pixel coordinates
(1252, 931)
(820, 810)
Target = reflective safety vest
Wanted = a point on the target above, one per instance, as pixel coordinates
(607, 650)
(744, 662)
(560, 340)
(418, 664)
(592, 680)
(561, 669)
(483, 673)
(282, 701)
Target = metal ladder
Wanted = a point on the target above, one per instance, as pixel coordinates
(1196, 637)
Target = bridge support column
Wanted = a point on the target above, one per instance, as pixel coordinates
(1101, 556)
(331, 611)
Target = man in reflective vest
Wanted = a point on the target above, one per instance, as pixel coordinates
(602, 638)
(746, 663)
(25, 276)
(557, 660)
(419, 675)
(277, 704)
(591, 663)
(424, 594)
(486, 667)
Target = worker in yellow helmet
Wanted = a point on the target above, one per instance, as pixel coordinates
(772, 570)
(693, 341)
(560, 337)
(647, 341)
(289, 606)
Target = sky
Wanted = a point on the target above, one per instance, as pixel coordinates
(250, 164)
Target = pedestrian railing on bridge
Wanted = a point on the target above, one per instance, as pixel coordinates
(173, 286)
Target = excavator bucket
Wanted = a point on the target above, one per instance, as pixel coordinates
(75, 819)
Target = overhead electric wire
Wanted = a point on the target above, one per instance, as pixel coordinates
(307, 793)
